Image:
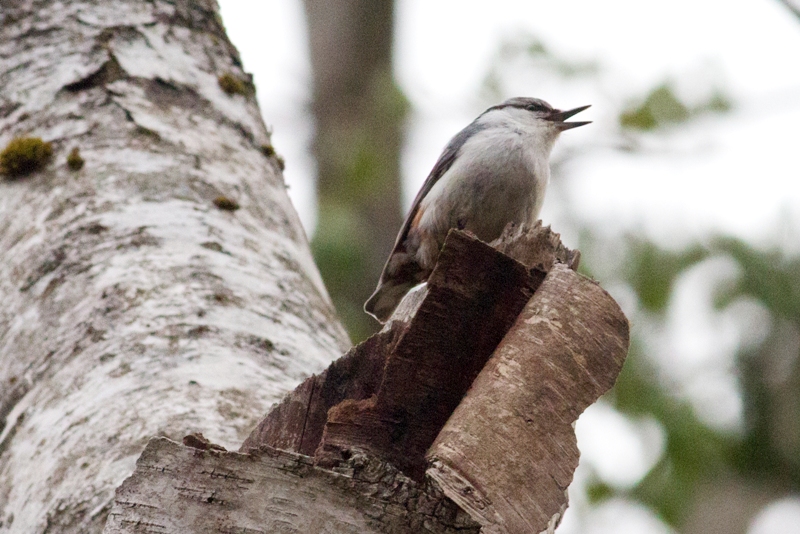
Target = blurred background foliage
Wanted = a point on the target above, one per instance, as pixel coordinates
(762, 457)
(359, 113)
(708, 476)
(662, 107)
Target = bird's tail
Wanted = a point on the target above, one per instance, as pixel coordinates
(387, 296)
(401, 273)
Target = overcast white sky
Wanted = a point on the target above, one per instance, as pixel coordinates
(737, 173)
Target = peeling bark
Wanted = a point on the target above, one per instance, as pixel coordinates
(186, 490)
(133, 306)
(508, 452)
(166, 288)
(495, 376)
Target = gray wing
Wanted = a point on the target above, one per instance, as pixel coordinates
(443, 164)
(407, 273)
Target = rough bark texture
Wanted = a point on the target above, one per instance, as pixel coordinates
(508, 452)
(136, 301)
(473, 296)
(297, 423)
(186, 490)
(392, 394)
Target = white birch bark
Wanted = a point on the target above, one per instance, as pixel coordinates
(132, 306)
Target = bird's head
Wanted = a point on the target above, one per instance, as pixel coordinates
(538, 111)
(536, 116)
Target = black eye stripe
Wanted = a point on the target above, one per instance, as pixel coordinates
(536, 107)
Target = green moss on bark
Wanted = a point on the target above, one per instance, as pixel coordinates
(23, 156)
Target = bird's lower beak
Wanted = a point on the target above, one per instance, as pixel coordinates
(559, 117)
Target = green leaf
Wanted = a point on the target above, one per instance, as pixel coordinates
(652, 271)
(659, 108)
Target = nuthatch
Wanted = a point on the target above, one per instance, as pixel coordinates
(493, 172)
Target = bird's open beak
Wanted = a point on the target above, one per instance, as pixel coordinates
(559, 117)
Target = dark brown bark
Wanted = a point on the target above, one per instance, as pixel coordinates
(508, 452)
(297, 423)
(497, 357)
(410, 378)
(474, 294)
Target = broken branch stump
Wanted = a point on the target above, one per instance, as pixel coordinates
(177, 489)
(420, 369)
(484, 369)
(508, 452)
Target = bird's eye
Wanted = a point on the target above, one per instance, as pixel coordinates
(536, 107)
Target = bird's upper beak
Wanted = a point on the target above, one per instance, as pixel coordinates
(559, 117)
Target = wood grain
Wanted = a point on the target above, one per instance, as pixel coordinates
(508, 453)
(474, 295)
(178, 490)
(485, 369)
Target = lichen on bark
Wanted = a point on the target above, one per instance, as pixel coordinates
(119, 322)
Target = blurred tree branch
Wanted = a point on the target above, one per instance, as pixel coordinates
(790, 5)
(359, 113)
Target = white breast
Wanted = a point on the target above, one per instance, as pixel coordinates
(498, 177)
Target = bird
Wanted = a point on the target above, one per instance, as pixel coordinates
(493, 172)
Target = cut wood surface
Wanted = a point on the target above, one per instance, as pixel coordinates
(393, 393)
(497, 356)
(508, 453)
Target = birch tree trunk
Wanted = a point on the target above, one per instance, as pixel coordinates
(164, 288)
